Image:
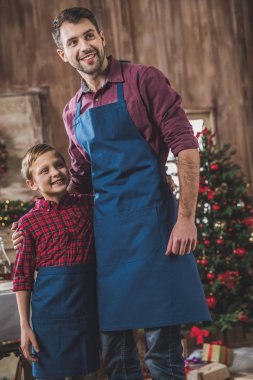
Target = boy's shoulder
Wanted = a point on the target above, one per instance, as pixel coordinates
(28, 218)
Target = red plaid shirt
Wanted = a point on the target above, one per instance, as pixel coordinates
(54, 235)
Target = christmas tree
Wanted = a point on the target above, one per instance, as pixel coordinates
(10, 211)
(224, 220)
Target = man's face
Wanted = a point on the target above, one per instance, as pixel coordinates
(83, 47)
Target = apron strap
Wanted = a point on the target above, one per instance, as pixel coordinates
(120, 92)
(78, 108)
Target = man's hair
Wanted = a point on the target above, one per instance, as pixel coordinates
(31, 156)
(72, 15)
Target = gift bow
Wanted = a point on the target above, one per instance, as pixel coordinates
(199, 334)
(218, 342)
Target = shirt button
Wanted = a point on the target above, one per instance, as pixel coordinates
(96, 99)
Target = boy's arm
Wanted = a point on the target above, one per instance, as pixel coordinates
(22, 284)
(27, 335)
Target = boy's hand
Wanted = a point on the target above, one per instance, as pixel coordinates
(16, 237)
(28, 338)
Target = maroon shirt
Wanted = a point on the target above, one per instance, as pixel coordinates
(153, 105)
(54, 235)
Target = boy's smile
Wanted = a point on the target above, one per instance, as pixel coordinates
(50, 176)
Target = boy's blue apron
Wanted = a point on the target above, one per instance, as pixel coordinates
(64, 319)
(134, 213)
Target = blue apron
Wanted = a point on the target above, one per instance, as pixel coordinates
(64, 319)
(134, 213)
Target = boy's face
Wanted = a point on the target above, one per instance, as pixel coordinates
(50, 176)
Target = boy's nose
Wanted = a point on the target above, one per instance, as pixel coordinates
(55, 171)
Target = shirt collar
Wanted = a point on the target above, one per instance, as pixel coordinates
(42, 203)
(114, 76)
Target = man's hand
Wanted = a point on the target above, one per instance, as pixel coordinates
(183, 238)
(16, 237)
(28, 338)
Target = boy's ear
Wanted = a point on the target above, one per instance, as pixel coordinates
(61, 54)
(31, 185)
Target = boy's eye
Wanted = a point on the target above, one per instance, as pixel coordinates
(43, 171)
(60, 165)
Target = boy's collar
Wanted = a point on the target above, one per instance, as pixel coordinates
(42, 203)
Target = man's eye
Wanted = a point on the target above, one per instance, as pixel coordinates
(73, 43)
(43, 171)
(60, 165)
(89, 36)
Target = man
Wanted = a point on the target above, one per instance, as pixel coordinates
(121, 124)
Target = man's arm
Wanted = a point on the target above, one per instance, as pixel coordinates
(80, 170)
(183, 237)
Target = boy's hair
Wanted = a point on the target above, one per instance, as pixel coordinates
(72, 15)
(31, 156)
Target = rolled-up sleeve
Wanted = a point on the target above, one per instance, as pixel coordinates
(166, 111)
(24, 266)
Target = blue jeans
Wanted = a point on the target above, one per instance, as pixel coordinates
(90, 376)
(163, 357)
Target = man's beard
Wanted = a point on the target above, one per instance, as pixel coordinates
(84, 68)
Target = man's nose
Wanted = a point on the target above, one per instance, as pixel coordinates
(84, 45)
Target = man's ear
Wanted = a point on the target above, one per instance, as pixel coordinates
(61, 54)
(102, 37)
(31, 185)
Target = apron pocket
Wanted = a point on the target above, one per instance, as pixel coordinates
(127, 237)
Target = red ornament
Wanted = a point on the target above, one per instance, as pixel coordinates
(210, 276)
(210, 194)
(214, 167)
(207, 242)
(204, 262)
(215, 207)
(220, 241)
(240, 251)
(243, 317)
(211, 302)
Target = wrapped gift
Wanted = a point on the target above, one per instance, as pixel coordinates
(213, 371)
(243, 376)
(217, 353)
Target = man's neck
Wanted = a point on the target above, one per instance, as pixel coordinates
(96, 81)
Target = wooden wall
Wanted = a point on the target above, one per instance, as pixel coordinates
(205, 47)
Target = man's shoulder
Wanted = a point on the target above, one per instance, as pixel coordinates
(138, 69)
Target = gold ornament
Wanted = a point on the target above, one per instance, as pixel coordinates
(224, 187)
(217, 225)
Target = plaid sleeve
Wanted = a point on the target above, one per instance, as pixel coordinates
(24, 263)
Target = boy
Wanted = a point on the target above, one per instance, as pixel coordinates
(58, 244)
